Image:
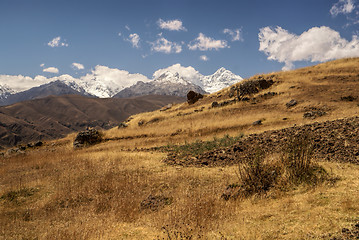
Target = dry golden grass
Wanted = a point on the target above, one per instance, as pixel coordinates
(55, 192)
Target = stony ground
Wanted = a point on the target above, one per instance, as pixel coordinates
(332, 141)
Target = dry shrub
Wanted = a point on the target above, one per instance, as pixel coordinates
(293, 168)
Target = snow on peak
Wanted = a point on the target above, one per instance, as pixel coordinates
(104, 82)
(171, 77)
(222, 78)
(5, 91)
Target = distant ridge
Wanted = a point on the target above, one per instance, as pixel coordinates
(56, 116)
(56, 88)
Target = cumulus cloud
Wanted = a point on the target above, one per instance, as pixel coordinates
(204, 43)
(235, 34)
(77, 66)
(165, 46)
(42, 64)
(51, 70)
(106, 82)
(21, 83)
(56, 42)
(188, 73)
(204, 58)
(318, 44)
(342, 7)
(172, 25)
(102, 81)
(134, 39)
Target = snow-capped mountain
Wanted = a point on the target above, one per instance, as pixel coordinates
(166, 84)
(5, 91)
(171, 82)
(105, 82)
(222, 78)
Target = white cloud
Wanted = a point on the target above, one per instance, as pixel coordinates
(318, 44)
(51, 70)
(119, 34)
(42, 64)
(128, 28)
(172, 25)
(342, 7)
(236, 34)
(165, 46)
(204, 58)
(56, 42)
(134, 39)
(204, 43)
(188, 73)
(21, 83)
(102, 81)
(77, 66)
(105, 82)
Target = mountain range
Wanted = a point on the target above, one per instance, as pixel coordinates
(169, 82)
(56, 116)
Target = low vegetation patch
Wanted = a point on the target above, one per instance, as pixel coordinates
(294, 167)
(198, 147)
(17, 196)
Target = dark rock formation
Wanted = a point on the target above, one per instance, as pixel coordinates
(291, 103)
(87, 138)
(193, 97)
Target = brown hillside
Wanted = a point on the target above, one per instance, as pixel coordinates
(56, 116)
(254, 168)
(324, 92)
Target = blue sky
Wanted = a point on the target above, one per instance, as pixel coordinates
(45, 37)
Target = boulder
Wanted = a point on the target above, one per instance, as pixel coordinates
(215, 104)
(291, 103)
(258, 122)
(87, 138)
(122, 125)
(193, 97)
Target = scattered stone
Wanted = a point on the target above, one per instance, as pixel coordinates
(215, 104)
(258, 122)
(140, 123)
(193, 97)
(87, 138)
(128, 119)
(154, 203)
(349, 98)
(251, 87)
(291, 103)
(38, 144)
(347, 233)
(314, 114)
(334, 141)
(165, 108)
(122, 125)
(154, 120)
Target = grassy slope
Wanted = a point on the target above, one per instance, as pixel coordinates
(56, 192)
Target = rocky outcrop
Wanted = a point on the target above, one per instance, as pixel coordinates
(87, 138)
(332, 141)
(193, 97)
(251, 87)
